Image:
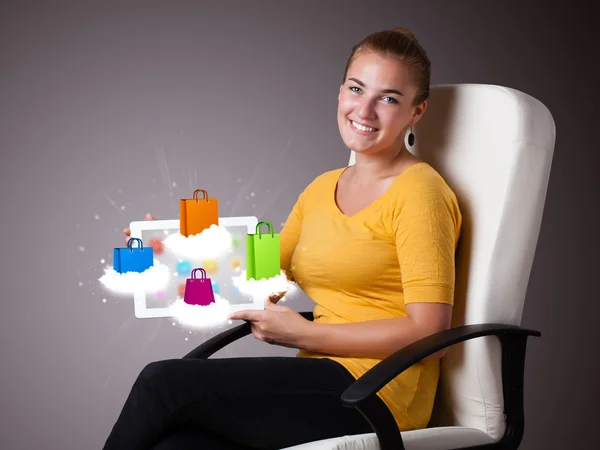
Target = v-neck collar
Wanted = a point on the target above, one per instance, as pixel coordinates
(371, 205)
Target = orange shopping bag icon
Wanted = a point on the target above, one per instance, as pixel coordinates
(196, 215)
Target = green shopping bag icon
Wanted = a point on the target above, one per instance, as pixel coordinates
(262, 254)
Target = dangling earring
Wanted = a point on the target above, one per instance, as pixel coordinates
(409, 138)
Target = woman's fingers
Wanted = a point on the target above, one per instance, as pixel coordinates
(127, 231)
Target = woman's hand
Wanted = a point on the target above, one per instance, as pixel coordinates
(277, 325)
(127, 231)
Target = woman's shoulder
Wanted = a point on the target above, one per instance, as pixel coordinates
(422, 189)
(330, 174)
(324, 180)
(421, 177)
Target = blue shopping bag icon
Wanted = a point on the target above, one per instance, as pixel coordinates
(132, 259)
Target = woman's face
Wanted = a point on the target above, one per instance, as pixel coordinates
(375, 104)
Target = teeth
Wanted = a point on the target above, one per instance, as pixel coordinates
(360, 127)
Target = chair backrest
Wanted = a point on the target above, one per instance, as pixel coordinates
(494, 147)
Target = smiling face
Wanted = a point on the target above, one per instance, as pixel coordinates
(375, 104)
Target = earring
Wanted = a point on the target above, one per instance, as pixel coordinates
(409, 138)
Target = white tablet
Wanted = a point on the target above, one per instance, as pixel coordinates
(220, 270)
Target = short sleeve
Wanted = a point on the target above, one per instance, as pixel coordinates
(426, 223)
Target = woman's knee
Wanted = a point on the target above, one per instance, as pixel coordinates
(157, 371)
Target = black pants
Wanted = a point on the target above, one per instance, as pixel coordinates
(236, 403)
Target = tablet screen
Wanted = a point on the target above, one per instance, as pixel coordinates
(219, 270)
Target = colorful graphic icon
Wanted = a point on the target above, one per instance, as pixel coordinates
(210, 266)
(183, 267)
(157, 246)
(196, 215)
(236, 241)
(262, 253)
(181, 290)
(133, 259)
(215, 287)
(199, 291)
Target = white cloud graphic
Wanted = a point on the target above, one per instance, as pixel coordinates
(201, 316)
(260, 290)
(209, 244)
(151, 280)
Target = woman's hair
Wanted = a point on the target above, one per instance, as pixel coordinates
(401, 44)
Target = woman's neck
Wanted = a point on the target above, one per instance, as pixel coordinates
(368, 168)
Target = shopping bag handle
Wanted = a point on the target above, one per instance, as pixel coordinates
(203, 191)
(269, 228)
(203, 273)
(130, 244)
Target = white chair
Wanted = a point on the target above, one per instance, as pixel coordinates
(494, 146)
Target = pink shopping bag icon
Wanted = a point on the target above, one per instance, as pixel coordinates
(198, 291)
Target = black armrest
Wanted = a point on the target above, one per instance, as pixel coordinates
(392, 366)
(362, 393)
(216, 343)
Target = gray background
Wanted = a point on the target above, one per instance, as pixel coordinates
(133, 105)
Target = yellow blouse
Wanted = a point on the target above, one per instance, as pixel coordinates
(398, 250)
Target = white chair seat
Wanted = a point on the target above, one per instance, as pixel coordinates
(439, 438)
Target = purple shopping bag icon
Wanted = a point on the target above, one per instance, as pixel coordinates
(198, 291)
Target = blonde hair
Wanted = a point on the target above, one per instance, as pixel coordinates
(401, 44)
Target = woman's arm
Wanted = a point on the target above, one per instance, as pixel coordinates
(378, 338)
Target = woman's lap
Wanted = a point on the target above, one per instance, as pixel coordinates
(262, 402)
(195, 440)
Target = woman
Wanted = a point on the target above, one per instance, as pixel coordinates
(372, 245)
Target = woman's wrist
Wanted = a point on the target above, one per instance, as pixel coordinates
(309, 335)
